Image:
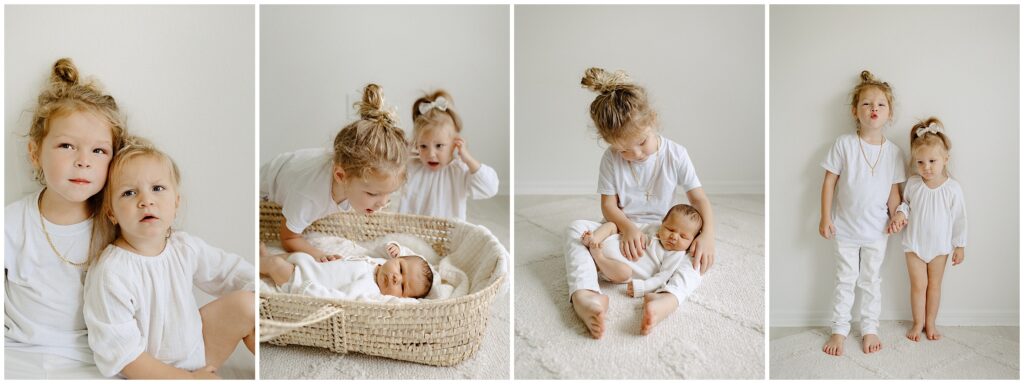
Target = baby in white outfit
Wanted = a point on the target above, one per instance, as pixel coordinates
(354, 277)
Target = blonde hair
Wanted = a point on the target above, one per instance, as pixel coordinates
(374, 144)
(105, 231)
(928, 138)
(867, 80)
(421, 122)
(621, 109)
(64, 95)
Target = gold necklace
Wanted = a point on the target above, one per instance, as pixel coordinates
(865, 155)
(650, 184)
(54, 247)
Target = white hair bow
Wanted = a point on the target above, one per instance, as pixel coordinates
(933, 128)
(439, 103)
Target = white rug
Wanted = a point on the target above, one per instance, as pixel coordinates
(718, 334)
(962, 353)
(491, 361)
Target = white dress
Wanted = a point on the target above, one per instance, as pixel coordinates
(136, 304)
(443, 193)
(42, 294)
(937, 219)
(300, 182)
(659, 174)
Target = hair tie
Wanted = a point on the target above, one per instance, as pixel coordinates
(440, 103)
(931, 128)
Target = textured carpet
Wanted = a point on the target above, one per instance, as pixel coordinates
(962, 353)
(717, 334)
(491, 361)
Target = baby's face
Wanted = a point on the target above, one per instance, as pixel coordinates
(404, 276)
(677, 232)
(435, 146)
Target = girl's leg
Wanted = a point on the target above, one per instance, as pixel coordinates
(918, 271)
(226, 321)
(657, 306)
(936, 268)
(869, 286)
(581, 274)
(842, 298)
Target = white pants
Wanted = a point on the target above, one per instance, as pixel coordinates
(24, 365)
(860, 265)
(581, 271)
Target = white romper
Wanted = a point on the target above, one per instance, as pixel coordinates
(443, 193)
(136, 304)
(937, 218)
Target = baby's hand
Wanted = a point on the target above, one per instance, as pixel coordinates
(826, 229)
(392, 249)
(629, 289)
(325, 258)
(896, 223)
(958, 255)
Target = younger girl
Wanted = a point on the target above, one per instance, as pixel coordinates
(637, 180)
(366, 165)
(863, 172)
(937, 227)
(439, 182)
(76, 130)
(143, 319)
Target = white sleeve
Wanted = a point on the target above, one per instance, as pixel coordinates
(109, 311)
(899, 173)
(835, 158)
(295, 209)
(905, 205)
(606, 175)
(959, 211)
(483, 184)
(218, 272)
(686, 174)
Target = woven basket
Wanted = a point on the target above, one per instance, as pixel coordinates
(435, 332)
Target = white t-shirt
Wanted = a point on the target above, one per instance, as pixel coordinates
(937, 221)
(443, 193)
(300, 182)
(42, 294)
(661, 173)
(653, 270)
(860, 212)
(136, 304)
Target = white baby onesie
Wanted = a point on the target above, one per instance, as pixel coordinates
(136, 304)
(443, 193)
(937, 219)
(659, 174)
(661, 270)
(300, 182)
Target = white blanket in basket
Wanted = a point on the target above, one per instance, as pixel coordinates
(450, 282)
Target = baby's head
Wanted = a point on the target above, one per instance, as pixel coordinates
(76, 130)
(622, 114)
(141, 199)
(405, 276)
(871, 102)
(435, 126)
(929, 148)
(370, 155)
(679, 227)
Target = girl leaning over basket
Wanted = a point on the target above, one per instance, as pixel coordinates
(366, 165)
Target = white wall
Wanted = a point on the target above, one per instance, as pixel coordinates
(959, 63)
(183, 76)
(702, 66)
(315, 61)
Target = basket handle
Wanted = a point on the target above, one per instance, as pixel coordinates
(270, 329)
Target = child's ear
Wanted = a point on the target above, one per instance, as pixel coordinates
(33, 153)
(339, 173)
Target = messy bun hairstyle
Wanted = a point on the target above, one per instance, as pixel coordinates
(374, 144)
(434, 117)
(621, 109)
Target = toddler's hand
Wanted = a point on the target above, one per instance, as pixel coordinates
(826, 229)
(325, 258)
(392, 250)
(460, 144)
(703, 251)
(629, 289)
(632, 243)
(958, 255)
(896, 223)
(205, 373)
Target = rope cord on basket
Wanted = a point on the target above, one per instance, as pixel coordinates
(270, 329)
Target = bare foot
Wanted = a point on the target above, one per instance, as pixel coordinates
(915, 332)
(871, 343)
(590, 306)
(932, 332)
(834, 345)
(657, 306)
